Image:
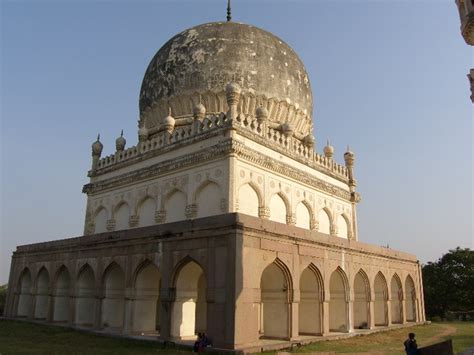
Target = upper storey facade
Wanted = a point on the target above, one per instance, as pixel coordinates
(225, 126)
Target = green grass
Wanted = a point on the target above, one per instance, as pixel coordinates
(26, 338)
(391, 342)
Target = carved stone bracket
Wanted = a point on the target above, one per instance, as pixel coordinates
(314, 224)
(291, 219)
(133, 220)
(191, 211)
(223, 205)
(264, 212)
(160, 216)
(333, 230)
(111, 225)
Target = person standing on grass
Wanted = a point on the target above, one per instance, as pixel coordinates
(410, 344)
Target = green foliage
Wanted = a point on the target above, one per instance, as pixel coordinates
(449, 283)
(3, 296)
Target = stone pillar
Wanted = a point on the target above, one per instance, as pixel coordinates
(33, 305)
(371, 323)
(72, 310)
(350, 316)
(232, 91)
(404, 311)
(128, 313)
(98, 312)
(325, 317)
(294, 321)
(49, 317)
(389, 312)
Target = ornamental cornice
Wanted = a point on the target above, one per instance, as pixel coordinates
(222, 149)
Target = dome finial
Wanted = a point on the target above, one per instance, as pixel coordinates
(229, 16)
(121, 133)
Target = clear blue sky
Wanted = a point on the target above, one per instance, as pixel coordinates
(388, 78)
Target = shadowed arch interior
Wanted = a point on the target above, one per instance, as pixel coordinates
(361, 300)
(338, 305)
(113, 302)
(396, 299)
(189, 314)
(24, 294)
(145, 304)
(311, 297)
(85, 297)
(380, 301)
(275, 286)
(42, 294)
(61, 299)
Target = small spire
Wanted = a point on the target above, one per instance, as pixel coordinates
(169, 110)
(348, 150)
(98, 137)
(121, 133)
(328, 142)
(229, 16)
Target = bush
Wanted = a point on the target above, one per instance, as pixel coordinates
(3, 296)
(436, 319)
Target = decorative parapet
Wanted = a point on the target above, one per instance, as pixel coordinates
(273, 137)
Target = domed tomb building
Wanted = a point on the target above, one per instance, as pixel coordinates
(223, 218)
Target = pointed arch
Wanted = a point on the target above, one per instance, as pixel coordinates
(410, 299)
(42, 293)
(208, 197)
(361, 300)
(338, 301)
(276, 287)
(146, 288)
(174, 203)
(311, 301)
(121, 215)
(85, 296)
(113, 302)
(61, 292)
(279, 207)
(396, 299)
(189, 310)
(24, 284)
(146, 210)
(304, 214)
(249, 198)
(343, 226)
(101, 215)
(325, 220)
(380, 300)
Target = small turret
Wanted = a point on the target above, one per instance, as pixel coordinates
(169, 121)
(309, 140)
(97, 148)
(120, 142)
(232, 92)
(328, 150)
(287, 129)
(261, 113)
(199, 111)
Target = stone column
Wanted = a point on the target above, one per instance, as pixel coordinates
(325, 317)
(49, 317)
(98, 312)
(294, 321)
(389, 312)
(33, 306)
(350, 315)
(128, 313)
(371, 323)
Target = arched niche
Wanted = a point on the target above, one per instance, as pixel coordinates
(303, 216)
(380, 301)
(342, 227)
(396, 300)
(175, 206)
(189, 314)
(324, 221)
(24, 296)
(277, 209)
(361, 301)
(61, 298)
(274, 307)
(146, 212)
(410, 299)
(248, 200)
(338, 305)
(100, 220)
(208, 200)
(113, 302)
(85, 297)
(122, 216)
(145, 304)
(311, 297)
(42, 294)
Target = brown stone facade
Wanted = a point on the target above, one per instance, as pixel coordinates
(256, 273)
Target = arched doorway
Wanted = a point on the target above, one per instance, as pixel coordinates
(274, 307)
(113, 303)
(42, 294)
(380, 301)
(338, 313)
(24, 296)
(145, 304)
(85, 298)
(190, 306)
(410, 299)
(361, 301)
(310, 307)
(396, 302)
(61, 298)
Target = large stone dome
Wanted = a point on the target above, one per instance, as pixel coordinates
(196, 64)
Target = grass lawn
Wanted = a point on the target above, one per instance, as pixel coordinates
(391, 342)
(25, 338)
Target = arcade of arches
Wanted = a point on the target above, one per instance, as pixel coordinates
(361, 303)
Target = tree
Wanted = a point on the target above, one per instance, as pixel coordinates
(3, 295)
(449, 283)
